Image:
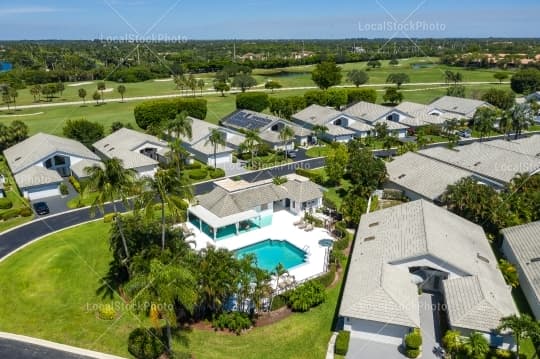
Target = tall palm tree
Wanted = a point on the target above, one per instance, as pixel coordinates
(251, 142)
(476, 346)
(167, 189)
(177, 155)
(286, 135)
(278, 272)
(522, 117)
(215, 139)
(180, 126)
(319, 131)
(164, 287)
(111, 182)
(483, 121)
(534, 334)
(519, 326)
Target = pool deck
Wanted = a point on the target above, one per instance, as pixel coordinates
(282, 228)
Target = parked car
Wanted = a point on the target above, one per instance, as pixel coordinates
(41, 208)
(292, 154)
(464, 133)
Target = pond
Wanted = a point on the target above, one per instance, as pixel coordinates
(419, 66)
(286, 74)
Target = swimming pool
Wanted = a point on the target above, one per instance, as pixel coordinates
(271, 252)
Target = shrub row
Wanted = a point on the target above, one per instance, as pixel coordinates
(64, 189)
(5, 203)
(254, 101)
(198, 174)
(339, 97)
(413, 342)
(314, 176)
(155, 111)
(327, 279)
(146, 343)
(15, 212)
(217, 173)
(234, 321)
(342, 342)
(307, 296)
(193, 166)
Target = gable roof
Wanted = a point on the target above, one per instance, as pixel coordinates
(260, 122)
(201, 131)
(419, 229)
(524, 242)
(528, 146)
(41, 146)
(425, 176)
(36, 176)
(367, 111)
(458, 105)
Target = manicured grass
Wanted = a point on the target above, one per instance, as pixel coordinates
(5, 225)
(49, 288)
(319, 151)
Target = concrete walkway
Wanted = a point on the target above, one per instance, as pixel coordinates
(331, 344)
(429, 324)
(15, 346)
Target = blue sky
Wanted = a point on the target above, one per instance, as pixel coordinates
(251, 19)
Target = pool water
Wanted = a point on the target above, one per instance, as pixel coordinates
(271, 252)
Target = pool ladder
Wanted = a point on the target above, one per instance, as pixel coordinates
(308, 253)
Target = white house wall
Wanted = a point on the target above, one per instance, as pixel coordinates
(40, 192)
(376, 331)
(146, 171)
(434, 263)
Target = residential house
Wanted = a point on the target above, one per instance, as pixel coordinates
(268, 128)
(137, 151)
(234, 207)
(340, 127)
(40, 162)
(489, 160)
(373, 114)
(203, 150)
(458, 106)
(521, 247)
(415, 249)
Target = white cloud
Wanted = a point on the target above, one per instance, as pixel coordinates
(26, 10)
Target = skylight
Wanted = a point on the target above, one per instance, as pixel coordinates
(367, 239)
(482, 258)
(374, 224)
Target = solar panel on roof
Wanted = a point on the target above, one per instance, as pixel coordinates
(248, 121)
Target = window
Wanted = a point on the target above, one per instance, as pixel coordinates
(48, 163)
(59, 160)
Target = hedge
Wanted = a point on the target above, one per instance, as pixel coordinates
(314, 176)
(254, 101)
(193, 166)
(412, 353)
(25, 212)
(155, 111)
(10, 213)
(278, 302)
(146, 343)
(306, 296)
(327, 279)
(5, 203)
(316, 97)
(75, 183)
(342, 342)
(64, 189)
(109, 217)
(217, 173)
(357, 95)
(198, 174)
(234, 321)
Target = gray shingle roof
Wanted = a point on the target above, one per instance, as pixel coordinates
(423, 175)
(421, 230)
(367, 111)
(78, 169)
(524, 241)
(461, 106)
(36, 176)
(41, 146)
(201, 131)
(527, 146)
(489, 161)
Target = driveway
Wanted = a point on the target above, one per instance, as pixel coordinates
(58, 204)
(430, 323)
(13, 349)
(361, 348)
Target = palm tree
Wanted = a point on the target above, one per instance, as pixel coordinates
(200, 85)
(522, 117)
(278, 272)
(251, 141)
(476, 346)
(168, 189)
(101, 86)
(165, 287)
(320, 131)
(180, 126)
(286, 135)
(177, 155)
(452, 342)
(483, 121)
(534, 334)
(111, 182)
(215, 139)
(519, 326)
(121, 90)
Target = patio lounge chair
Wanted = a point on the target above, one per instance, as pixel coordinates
(308, 228)
(302, 225)
(299, 222)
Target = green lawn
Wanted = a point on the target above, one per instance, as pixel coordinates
(49, 288)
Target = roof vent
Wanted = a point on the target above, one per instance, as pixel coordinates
(477, 164)
(18, 158)
(111, 149)
(367, 239)
(482, 258)
(401, 176)
(534, 260)
(106, 145)
(374, 224)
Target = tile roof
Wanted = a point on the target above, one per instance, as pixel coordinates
(527, 146)
(423, 175)
(36, 176)
(78, 169)
(524, 241)
(462, 106)
(317, 115)
(421, 230)
(486, 160)
(367, 111)
(41, 146)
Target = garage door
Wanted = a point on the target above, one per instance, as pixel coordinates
(221, 159)
(376, 331)
(41, 192)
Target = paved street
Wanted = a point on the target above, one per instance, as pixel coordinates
(12, 349)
